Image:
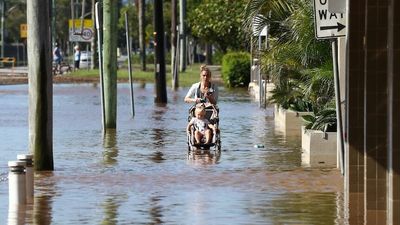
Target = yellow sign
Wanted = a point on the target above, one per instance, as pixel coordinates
(23, 30)
(78, 24)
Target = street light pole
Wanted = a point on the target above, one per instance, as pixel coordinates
(3, 6)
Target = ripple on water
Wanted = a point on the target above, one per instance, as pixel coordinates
(142, 172)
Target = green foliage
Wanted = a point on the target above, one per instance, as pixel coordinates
(236, 69)
(289, 95)
(318, 85)
(219, 22)
(217, 57)
(186, 79)
(324, 120)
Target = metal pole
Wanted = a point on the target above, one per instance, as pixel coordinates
(175, 60)
(128, 46)
(182, 34)
(3, 5)
(338, 107)
(176, 64)
(99, 45)
(259, 73)
(142, 33)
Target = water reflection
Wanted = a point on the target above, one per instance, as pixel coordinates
(16, 214)
(110, 206)
(45, 190)
(158, 136)
(147, 161)
(298, 208)
(110, 152)
(157, 157)
(203, 157)
(156, 210)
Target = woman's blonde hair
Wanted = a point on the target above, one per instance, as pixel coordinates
(204, 67)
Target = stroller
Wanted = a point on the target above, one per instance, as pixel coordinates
(212, 112)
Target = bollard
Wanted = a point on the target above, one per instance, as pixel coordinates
(16, 182)
(29, 178)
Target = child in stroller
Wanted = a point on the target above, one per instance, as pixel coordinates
(201, 124)
(202, 129)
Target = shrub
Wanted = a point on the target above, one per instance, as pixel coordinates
(324, 120)
(236, 69)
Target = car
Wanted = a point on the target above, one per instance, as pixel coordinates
(86, 56)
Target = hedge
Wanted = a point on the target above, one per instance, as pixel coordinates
(236, 69)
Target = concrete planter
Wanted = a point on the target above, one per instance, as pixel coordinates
(254, 89)
(289, 122)
(318, 148)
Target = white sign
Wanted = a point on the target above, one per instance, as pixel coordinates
(76, 34)
(337, 6)
(327, 24)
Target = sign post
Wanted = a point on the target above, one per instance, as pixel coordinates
(330, 25)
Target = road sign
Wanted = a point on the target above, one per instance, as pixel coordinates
(76, 34)
(327, 24)
(23, 30)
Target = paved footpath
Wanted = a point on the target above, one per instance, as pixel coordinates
(16, 71)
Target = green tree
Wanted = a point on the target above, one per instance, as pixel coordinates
(219, 22)
(15, 15)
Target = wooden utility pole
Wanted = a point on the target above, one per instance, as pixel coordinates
(110, 18)
(40, 84)
(175, 80)
(161, 90)
(142, 27)
(182, 35)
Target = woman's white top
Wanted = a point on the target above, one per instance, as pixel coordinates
(194, 92)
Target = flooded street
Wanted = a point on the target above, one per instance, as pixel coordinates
(143, 174)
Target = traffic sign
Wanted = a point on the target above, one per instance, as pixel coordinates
(23, 30)
(77, 34)
(328, 24)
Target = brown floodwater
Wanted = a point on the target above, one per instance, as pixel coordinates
(142, 173)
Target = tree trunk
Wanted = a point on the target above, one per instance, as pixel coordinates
(161, 90)
(142, 27)
(40, 84)
(209, 54)
(110, 18)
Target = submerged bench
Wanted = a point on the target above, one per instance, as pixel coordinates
(10, 60)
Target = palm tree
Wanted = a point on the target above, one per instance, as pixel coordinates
(295, 55)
